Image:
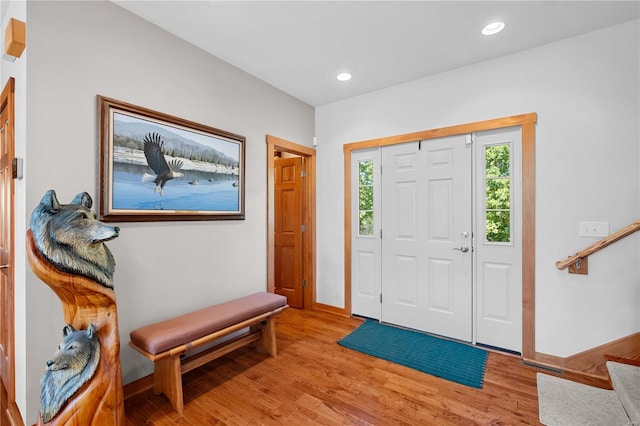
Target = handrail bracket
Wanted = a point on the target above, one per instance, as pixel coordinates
(581, 266)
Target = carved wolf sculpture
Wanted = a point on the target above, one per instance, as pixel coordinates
(73, 364)
(72, 239)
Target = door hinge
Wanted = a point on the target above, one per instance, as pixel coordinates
(303, 228)
(380, 233)
(303, 173)
(304, 283)
(469, 139)
(16, 168)
(380, 297)
(419, 145)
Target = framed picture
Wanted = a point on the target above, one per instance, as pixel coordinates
(157, 167)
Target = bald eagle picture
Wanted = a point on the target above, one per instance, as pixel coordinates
(164, 171)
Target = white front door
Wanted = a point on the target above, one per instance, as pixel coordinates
(437, 236)
(365, 233)
(499, 239)
(426, 236)
(403, 235)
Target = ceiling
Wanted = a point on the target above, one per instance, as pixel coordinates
(300, 46)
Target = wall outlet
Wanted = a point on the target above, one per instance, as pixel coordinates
(594, 229)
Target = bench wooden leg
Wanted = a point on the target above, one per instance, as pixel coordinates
(269, 336)
(167, 379)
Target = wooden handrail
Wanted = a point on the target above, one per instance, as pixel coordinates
(579, 256)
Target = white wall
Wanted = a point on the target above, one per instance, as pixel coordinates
(80, 49)
(586, 93)
(17, 70)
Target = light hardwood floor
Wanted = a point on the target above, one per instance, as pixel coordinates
(315, 381)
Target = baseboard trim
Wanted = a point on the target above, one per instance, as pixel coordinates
(332, 309)
(138, 386)
(589, 367)
(543, 367)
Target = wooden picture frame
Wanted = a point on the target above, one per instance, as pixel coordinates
(157, 167)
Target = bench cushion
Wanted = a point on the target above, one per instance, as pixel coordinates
(165, 335)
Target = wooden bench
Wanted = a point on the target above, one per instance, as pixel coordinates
(166, 342)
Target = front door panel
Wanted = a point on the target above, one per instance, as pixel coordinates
(426, 245)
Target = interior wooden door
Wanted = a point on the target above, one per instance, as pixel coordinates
(7, 367)
(288, 230)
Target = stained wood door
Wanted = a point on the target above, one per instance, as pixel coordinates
(426, 243)
(6, 252)
(288, 230)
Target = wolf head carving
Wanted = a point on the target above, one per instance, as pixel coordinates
(71, 238)
(73, 364)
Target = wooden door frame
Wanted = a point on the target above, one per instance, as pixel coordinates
(308, 211)
(7, 102)
(527, 123)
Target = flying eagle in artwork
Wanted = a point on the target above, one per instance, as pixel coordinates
(155, 159)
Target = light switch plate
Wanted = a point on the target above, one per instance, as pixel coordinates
(594, 229)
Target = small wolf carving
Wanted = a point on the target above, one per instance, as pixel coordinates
(73, 364)
(72, 239)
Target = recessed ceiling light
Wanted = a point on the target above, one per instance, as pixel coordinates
(493, 28)
(344, 76)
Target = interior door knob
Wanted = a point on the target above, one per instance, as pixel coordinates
(463, 249)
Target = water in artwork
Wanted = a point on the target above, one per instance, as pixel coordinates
(196, 191)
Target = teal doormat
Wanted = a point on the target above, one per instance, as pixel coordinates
(443, 358)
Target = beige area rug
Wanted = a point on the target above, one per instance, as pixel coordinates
(566, 403)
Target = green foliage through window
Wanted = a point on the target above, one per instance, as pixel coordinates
(365, 197)
(498, 193)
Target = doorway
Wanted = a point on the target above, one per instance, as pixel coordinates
(445, 267)
(291, 255)
(10, 413)
(499, 272)
(289, 227)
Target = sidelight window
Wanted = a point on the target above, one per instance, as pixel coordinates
(365, 198)
(498, 193)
